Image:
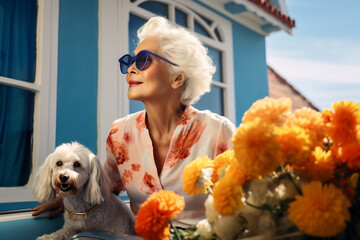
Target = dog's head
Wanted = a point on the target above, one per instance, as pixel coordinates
(71, 169)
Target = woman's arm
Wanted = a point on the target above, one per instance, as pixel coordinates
(56, 205)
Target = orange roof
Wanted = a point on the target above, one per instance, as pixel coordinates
(267, 6)
(279, 87)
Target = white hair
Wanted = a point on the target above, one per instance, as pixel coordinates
(184, 49)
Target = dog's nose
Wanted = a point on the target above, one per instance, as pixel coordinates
(63, 178)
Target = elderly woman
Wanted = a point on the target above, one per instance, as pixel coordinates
(148, 151)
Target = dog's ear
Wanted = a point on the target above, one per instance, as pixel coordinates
(42, 186)
(98, 186)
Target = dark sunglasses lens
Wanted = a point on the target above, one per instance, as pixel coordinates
(141, 60)
(125, 63)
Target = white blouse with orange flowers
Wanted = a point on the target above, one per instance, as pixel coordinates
(130, 160)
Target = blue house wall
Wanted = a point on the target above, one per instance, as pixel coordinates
(251, 82)
(77, 73)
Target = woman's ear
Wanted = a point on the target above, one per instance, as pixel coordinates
(179, 80)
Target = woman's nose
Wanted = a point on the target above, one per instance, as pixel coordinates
(132, 68)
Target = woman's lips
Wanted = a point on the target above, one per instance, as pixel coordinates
(134, 83)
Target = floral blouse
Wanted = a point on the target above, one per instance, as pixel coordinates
(131, 166)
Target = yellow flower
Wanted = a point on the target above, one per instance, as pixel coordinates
(344, 124)
(256, 147)
(269, 109)
(227, 194)
(320, 167)
(310, 119)
(295, 145)
(322, 210)
(192, 179)
(152, 220)
(221, 163)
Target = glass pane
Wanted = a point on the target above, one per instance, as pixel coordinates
(134, 24)
(217, 59)
(200, 29)
(160, 9)
(181, 18)
(16, 130)
(217, 33)
(18, 39)
(212, 101)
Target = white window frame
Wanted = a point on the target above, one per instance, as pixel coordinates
(45, 91)
(113, 42)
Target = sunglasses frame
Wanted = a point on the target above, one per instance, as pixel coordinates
(134, 59)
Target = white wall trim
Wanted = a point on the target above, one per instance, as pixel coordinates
(243, 19)
(45, 99)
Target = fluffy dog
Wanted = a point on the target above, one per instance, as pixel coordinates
(75, 173)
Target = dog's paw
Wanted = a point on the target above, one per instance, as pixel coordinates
(52, 236)
(44, 237)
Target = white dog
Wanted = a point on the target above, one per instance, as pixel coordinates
(75, 173)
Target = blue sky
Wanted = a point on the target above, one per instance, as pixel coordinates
(322, 57)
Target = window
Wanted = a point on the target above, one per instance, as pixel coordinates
(28, 55)
(115, 40)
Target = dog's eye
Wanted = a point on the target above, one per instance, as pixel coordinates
(59, 163)
(77, 164)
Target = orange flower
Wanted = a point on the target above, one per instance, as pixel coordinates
(194, 181)
(320, 167)
(256, 147)
(310, 119)
(269, 109)
(296, 145)
(152, 220)
(236, 172)
(351, 155)
(227, 195)
(345, 121)
(221, 163)
(327, 115)
(322, 210)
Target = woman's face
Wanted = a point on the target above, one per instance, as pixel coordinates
(153, 82)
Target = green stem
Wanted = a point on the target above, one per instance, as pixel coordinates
(176, 231)
(257, 207)
(296, 187)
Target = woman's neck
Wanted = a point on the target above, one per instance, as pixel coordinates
(163, 118)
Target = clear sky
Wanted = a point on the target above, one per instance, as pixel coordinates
(322, 57)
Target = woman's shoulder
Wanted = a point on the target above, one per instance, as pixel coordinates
(129, 120)
(214, 118)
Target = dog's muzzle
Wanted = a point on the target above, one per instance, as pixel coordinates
(64, 186)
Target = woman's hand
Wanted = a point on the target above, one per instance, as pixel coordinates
(56, 205)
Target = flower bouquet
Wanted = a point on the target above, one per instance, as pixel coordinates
(289, 176)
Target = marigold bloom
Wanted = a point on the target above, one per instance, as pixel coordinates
(193, 184)
(327, 115)
(221, 163)
(322, 210)
(236, 172)
(296, 145)
(256, 147)
(321, 166)
(351, 155)
(269, 109)
(310, 119)
(345, 121)
(227, 194)
(152, 220)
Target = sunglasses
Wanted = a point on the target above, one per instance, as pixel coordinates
(140, 60)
